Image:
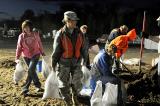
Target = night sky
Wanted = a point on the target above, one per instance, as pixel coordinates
(15, 8)
(127, 10)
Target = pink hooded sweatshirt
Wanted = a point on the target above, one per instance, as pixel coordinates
(29, 46)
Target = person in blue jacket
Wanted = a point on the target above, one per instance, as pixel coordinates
(102, 70)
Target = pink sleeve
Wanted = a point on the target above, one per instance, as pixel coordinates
(19, 47)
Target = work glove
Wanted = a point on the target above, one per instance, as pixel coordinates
(115, 66)
(144, 35)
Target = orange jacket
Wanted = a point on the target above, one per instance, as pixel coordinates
(71, 51)
(121, 42)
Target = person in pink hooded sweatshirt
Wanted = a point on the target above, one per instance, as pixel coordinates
(29, 46)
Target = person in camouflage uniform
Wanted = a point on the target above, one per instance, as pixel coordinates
(68, 51)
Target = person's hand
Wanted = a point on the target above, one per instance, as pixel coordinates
(17, 61)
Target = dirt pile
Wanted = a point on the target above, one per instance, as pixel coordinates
(143, 88)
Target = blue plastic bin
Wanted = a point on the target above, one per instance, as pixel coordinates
(39, 66)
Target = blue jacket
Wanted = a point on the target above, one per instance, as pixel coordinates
(103, 62)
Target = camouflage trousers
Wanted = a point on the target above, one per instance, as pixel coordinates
(71, 79)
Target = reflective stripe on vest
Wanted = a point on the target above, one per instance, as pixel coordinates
(68, 47)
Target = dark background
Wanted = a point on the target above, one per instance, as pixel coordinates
(100, 16)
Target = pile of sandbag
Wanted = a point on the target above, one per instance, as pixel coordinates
(109, 98)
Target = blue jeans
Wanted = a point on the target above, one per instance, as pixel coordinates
(32, 75)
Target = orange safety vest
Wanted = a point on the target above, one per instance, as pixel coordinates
(69, 50)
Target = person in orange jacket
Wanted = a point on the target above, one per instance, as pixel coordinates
(119, 46)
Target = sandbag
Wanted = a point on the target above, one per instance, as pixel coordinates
(51, 87)
(96, 99)
(19, 72)
(86, 76)
(155, 61)
(46, 66)
(110, 95)
(86, 90)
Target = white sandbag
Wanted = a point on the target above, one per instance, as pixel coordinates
(155, 61)
(96, 99)
(110, 95)
(132, 61)
(19, 72)
(51, 87)
(86, 90)
(149, 44)
(46, 66)
(94, 49)
(86, 76)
